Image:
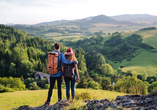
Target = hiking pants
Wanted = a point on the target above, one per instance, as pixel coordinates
(67, 83)
(59, 85)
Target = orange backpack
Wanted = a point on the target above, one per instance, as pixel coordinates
(53, 62)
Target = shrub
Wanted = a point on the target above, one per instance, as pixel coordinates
(93, 85)
(83, 96)
(33, 86)
(41, 83)
(152, 87)
(5, 89)
(47, 86)
(8, 85)
(14, 83)
(131, 85)
(106, 84)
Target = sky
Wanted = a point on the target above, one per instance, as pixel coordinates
(37, 11)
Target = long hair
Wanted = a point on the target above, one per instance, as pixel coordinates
(71, 57)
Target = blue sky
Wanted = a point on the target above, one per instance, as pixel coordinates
(37, 11)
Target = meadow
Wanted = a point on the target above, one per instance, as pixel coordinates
(35, 98)
(146, 61)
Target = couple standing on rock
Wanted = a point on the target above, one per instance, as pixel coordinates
(67, 58)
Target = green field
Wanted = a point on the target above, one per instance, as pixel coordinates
(146, 61)
(58, 36)
(146, 33)
(53, 34)
(35, 98)
(110, 28)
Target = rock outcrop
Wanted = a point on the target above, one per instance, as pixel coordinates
(135, 102)
(131, 102)
(57, 106)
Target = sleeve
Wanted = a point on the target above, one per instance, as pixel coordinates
(75, 61)
(62, 58)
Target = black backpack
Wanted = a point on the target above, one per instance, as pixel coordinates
(68, 71)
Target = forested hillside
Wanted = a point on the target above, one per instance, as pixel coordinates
(21, 54)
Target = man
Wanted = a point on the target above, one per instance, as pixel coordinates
(58, 76)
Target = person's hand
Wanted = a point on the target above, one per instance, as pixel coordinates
(78, 79)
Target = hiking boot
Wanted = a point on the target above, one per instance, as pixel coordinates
(59, 99)
(47, 103)
(68, 98)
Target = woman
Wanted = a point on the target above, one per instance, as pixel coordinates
(70, 58)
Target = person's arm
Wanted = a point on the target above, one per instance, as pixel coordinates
(76, 62)
(63, 58)
(77, 73)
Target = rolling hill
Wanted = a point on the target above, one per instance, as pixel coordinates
(145, 18)
(146, 61)
(79, 28)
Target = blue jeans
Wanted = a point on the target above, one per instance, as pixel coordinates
(67, 83)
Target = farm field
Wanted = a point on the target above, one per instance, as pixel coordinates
(110, 28)
(146, 33)
(35, 98)
(58, 36)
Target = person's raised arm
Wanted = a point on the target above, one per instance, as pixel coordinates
(77, 73)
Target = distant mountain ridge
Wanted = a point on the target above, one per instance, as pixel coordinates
(121, 19)
(103, 18)
(136, 18)
(85, 27)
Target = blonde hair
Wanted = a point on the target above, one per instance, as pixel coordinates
(71, 57)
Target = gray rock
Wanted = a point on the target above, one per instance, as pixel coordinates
(112, 104)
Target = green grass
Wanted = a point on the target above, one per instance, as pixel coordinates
(141, 70)
(145, 33)
(152, 40)
(70, 36)
(145, 62)
(38, 97)
(52, 34)
(145, 58)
